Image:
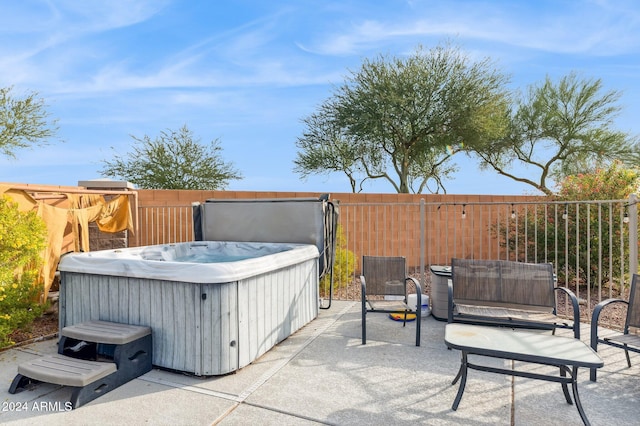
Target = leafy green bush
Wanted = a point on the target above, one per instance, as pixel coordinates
(614, 182)
(344, 265)
(22, 240)
(562, 230)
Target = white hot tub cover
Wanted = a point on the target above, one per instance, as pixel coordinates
(179, 262)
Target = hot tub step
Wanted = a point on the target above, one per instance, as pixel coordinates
(64, 370)
(105, 332)
(126, 348)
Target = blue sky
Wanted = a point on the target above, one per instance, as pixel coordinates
(247, 71)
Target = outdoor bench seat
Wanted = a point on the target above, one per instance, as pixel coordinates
(507, 293)
(506, 313)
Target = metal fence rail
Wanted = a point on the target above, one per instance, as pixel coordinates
(164, 225)
(593, 245)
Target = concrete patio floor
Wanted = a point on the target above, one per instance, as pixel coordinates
(323, 375)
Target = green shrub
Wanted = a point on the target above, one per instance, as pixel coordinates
(344, 265)
(22, 240)
(614, 182)
(594, 256)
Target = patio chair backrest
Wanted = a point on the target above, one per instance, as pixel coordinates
(385, 275)
(503, 281)
(633, 311)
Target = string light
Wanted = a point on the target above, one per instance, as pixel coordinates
(464, 212)
(513, 212)
(565, 215)
(625, 219)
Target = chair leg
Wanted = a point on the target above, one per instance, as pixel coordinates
(626, 352)
(565, 389)
(364, 323)
(594, 346)
(418, 324)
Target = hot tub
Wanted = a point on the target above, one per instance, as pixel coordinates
(213, 306)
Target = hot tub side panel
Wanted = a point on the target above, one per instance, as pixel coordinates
(204, 329)
(171, 309)
(219, 334)
(273, 306)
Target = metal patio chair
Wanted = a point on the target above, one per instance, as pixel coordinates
(384, 289)
(628, 339)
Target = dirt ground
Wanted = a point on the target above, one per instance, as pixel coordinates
(43, 327)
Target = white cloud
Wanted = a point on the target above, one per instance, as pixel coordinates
(75, 58)
(247, 72)
(45, 26)
(599, 28)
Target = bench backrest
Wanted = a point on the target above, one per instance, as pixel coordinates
(503, 282)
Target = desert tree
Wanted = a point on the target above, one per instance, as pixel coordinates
(172, 160)
(24, 122)
(401, 119)
(559, 129)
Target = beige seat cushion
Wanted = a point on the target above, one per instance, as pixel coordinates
(508, 314)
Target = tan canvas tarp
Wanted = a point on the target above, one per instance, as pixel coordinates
(72, 220)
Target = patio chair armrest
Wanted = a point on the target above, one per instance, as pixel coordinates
(450, 304)
(576, 309)
(418, 296)
(363, 288)
(595, 318)
(416, 283)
